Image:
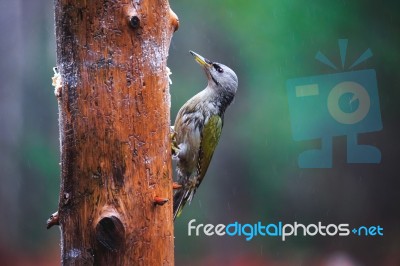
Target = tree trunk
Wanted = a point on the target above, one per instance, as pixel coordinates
(114, 131)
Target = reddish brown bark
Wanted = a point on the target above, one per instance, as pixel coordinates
(114, 129)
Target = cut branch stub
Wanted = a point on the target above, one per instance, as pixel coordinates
(174, 20)
(53, 220)
(160, 201)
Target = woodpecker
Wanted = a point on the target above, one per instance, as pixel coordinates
(198, 127)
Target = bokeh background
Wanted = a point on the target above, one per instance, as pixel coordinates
(254, 174)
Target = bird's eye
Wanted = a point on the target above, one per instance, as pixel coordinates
(218, 68)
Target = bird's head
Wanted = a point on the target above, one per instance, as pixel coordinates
(219, 76)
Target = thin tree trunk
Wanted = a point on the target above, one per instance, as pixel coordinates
(114, 131)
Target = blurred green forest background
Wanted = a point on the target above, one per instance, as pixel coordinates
(254, 174)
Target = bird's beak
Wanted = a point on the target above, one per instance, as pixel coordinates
(201, 60)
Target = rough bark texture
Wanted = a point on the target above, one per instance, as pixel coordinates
(114, 131)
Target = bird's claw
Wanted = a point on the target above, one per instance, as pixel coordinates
(174, 146)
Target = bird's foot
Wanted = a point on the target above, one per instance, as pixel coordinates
(174, 147)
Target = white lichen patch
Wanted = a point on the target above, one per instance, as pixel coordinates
(56, 82)
(74, 253)
(169, 73)
(154, 54)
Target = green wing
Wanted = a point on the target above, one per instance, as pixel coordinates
(210, 137)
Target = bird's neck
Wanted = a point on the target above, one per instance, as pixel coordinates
(220, 97)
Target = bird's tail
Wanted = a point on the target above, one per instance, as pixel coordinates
(181, 196)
